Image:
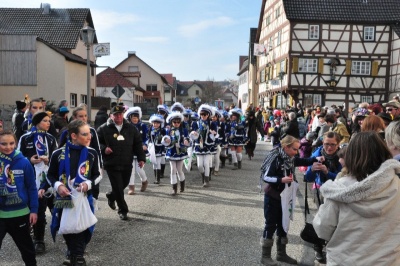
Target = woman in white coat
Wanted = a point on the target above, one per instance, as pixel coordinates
(360, 216)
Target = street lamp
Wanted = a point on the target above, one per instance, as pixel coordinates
(281, 74)
(87, 35)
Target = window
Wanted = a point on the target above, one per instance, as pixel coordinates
(278, 12)
(244, 98)
(151, 87)
(262, 76)
(133, 69)
(308, 65)
(270, 43)
(278, 39)
(366, 99)
(313, 33)
(312, 99)
(282, 66)
(360, 68)
(197, 92)
(73, 99)
(268, 20)
(369, 34)
(83, 98)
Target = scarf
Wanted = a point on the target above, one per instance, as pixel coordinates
(271, 156)
(29, 121)
(39, 141)
(8, 187)
(65, 174)
(155, 135)
(331, 161)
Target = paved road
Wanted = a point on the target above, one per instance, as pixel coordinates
(220, 225)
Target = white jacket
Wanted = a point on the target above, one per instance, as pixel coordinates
(361, 220)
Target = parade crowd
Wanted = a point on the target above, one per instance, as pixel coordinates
(55, 161)
(353, 166)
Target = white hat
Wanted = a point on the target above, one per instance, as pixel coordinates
(174, 115)
(157, 118)
(206, 108)
(236, 111)
(163, 107)
(133, 110)
(177, 107)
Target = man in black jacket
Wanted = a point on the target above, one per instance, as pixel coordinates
(119, 141)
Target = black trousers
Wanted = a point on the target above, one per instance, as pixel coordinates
(119, 180)
(19, 230)
(273, 217)
(76, 243)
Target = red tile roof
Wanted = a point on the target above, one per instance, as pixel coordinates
(111, 77)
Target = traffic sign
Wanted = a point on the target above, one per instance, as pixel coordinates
(118, 91)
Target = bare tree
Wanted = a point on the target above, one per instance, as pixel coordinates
(211, 91)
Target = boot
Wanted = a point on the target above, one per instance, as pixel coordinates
(162, 171)
(281, 243)
(111, 200)
(223, 162)
(67, 260)
(240, 164)
(216, 173)
(266, 245)
(206, 181)
(174, 189)
(183, 186)
(230, 159)
(211, 172)
(158, 176)
(235, 166)
(320, 256)
(77, 260)
(38, 235)
(144, 186)
(131, 190)
(202, 178)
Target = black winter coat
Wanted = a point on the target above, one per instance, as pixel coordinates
(123, 150)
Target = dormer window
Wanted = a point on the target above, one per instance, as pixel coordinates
(369, 33)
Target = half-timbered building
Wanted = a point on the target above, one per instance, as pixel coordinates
(328, 52)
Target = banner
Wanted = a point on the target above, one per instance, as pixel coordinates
(260, 49)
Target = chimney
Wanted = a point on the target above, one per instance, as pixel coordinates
(46, 8)
(130, 53)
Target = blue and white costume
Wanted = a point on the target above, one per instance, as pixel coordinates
(156, 133)
(176, 142)
(142, 128)
(236, 134)
(163, 110)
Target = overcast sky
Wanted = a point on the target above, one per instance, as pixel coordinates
(192, 39)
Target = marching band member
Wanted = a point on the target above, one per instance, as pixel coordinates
(176, 142)
(237, 136)
(155, 135)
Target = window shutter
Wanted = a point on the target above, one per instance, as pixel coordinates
(320, 65)
(274, 100)
(348, 67)
(295, 66)
(278, 69)
(375, 68)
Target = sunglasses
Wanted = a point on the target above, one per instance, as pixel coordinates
(176, 122)
(203, 114)
(390, 109)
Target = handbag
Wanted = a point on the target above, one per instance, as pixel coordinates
(78, 218)
(308, 233)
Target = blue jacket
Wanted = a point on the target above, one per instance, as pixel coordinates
(25, 182)
(318, 176)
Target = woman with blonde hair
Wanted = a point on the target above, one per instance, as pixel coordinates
(277, 170)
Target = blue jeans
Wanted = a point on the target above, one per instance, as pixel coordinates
(273, 218)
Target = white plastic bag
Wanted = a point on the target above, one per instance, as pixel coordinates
(188, 161)
(288, 201)
(79, 218)
(152, 151)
